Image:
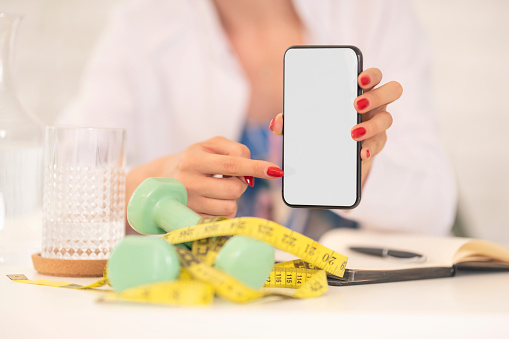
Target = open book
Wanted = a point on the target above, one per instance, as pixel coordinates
(444, 256)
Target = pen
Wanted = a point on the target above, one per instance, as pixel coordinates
(390, 253)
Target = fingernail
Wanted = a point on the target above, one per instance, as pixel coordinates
(271, 126)
(365, 80)
(275, 172)
(358, 132)
(368, 155)
(249, 180)
(362, 103)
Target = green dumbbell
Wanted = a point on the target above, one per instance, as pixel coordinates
(158, 206)
(138, 260)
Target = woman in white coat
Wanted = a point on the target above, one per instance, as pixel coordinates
(198, 83)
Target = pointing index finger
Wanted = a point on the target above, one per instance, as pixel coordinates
(236, 166)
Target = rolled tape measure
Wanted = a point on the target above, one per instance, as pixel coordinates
(199, 281)
(270, 232)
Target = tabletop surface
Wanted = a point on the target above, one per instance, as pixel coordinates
(467, 306)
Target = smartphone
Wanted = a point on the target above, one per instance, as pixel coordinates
(321, 161)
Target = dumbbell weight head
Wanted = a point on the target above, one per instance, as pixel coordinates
(138, 260)
(249, 260)
(158, 206)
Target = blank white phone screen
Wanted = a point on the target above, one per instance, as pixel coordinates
(320, 158)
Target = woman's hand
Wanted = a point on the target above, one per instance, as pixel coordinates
(375, 118)
(200, 167)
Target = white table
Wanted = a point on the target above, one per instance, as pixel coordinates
(469, 305)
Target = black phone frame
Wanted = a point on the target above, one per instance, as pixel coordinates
(358, 53)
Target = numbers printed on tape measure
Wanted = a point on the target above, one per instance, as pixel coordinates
(207, 249)
(265, 229)
(310, 249)
(289, 240)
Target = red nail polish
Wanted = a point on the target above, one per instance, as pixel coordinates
(368, 155)
(249, 180)
(275, 172)
(358, 132)
(362, 103)
(365, 80)
(271, 126)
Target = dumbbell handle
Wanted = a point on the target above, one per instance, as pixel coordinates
(172, 215)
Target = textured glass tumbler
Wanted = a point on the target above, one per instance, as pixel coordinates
(84, 192)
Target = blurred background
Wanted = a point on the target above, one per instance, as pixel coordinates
(470, 47)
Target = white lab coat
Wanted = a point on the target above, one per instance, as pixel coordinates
(164, 70)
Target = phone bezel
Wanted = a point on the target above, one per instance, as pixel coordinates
(358, 53)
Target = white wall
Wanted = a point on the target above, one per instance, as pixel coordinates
(471, 53)
(54, 42)
(471, 49)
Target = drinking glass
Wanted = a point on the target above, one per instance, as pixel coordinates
(84, 192)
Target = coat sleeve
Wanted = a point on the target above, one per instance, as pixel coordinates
(411, 186)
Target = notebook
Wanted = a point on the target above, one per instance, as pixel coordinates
(445, 256)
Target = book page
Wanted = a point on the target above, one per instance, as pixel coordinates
(440, 251)
(481, 250)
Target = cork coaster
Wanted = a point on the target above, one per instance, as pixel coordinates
(68, 268)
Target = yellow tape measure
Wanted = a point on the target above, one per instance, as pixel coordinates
(269, 232)
(21, 278)
(290, 274)
(198, 281)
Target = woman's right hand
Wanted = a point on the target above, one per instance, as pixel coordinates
(198, 168)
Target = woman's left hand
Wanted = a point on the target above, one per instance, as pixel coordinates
(375, 118)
